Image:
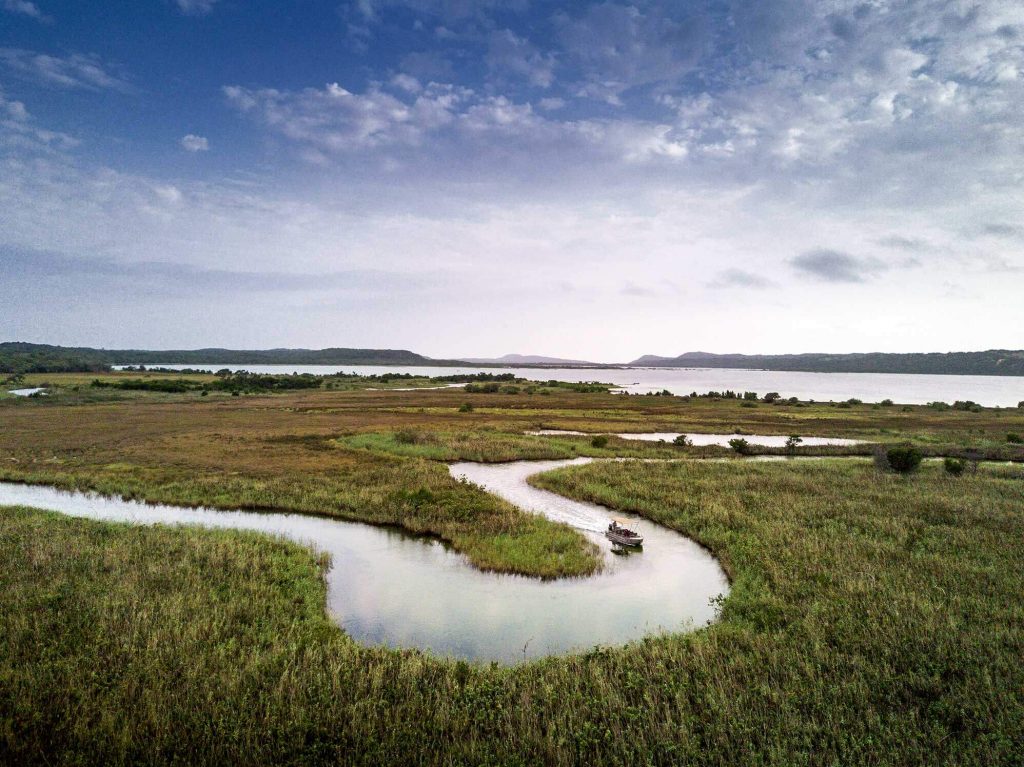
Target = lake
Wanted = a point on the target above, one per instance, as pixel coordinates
(1002, 391)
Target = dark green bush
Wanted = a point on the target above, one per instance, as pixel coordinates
(406, 437)
(886, 403)
(599, 441)
(740, 445)
(1014, 438)
(772, 396)
(904, 458)
(954, 466)
(682, 441)
(465, 407)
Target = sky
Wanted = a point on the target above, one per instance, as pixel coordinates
(458, 178)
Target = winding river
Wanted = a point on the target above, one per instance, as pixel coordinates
(388, 588)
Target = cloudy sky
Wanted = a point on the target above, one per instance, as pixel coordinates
(464, 177)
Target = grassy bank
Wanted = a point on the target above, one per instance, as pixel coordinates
(873, 619)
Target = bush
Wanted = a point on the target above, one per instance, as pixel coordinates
(938, 406)
(465, 407)
(954, 466)
(792, 441)
(886, 403)
(599, 441)
(406, 437)
(854, 401)
(1021, 404)
(772, 396)
(748, 404)
(740, 445)
(682, 441)
(1014, 439)
(750, 395)
(968, 405)
(904, 459)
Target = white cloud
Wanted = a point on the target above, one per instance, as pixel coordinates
(86, 72)
(407, 83)
(194, 143)
(195, 7)
(25, 8)
(513, 55)
(20, 134)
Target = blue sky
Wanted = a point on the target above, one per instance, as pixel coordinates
(472, 178)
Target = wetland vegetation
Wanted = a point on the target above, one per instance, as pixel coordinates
(873, 618)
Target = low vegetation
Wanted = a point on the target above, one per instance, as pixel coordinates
(873, 619)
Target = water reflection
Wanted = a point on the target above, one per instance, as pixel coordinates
(388, 588)
(767, 440)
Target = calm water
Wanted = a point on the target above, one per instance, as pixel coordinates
(391, 589)
(26, 392)
(1004, 391)
(712, 439)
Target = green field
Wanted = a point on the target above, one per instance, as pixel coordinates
(874, 619)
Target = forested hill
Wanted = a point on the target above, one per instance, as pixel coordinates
(43, 358)
(995, 362)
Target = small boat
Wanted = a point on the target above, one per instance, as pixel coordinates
(618, 533)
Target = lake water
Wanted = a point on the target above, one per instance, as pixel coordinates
(388, 588)
(27, 392)
(711, 439)
(1003, 391)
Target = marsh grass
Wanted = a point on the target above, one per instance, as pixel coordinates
(416, 495)
(490, 446)
(873, 620)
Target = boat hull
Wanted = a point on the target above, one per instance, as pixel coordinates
(624, 540)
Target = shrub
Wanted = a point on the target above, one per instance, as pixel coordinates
(740, 445)
(406, 437)
(748, 404)
(954, 466)
(1021, 404)
(465, 407)
(854, 401)
(792, 441)
(1014, 439)
(938, 406)
(750, 395)
(682, 441)
(886, 403)
(968, 405)
(772, 396)
(904, 459)
(599, 441)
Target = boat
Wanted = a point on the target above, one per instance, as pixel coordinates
(617, 532)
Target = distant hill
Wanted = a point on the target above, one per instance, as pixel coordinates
(529, 359)
(44, 358)
(995, 362)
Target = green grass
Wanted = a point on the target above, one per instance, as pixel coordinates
(417, 495)
(489, 446)
(873, 620)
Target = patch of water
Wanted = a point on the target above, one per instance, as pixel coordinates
(27, 392)
(766, 440)
(388, 588)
